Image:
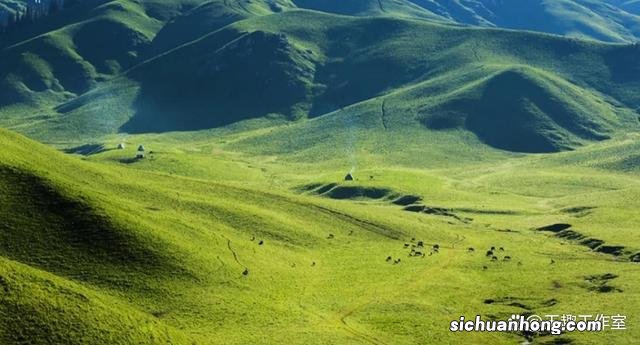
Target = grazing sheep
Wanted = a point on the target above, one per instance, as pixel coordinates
(470, 249)
(436, 246)
(485, 268)
(330, 237)
(494, 258)
(388, 258)
(261, 242)
(489, 253)
(506, 258)
(406, 245)
(553, 261)
(420, 244)
(418, 254)
(350, 232)
(253, 238)
(413, 239)
(245, 272)
(493, 249)
(519, 263)
(501, 249)
(313, 264)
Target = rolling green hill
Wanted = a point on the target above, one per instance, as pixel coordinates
(298, 65)
(198, 244)
(608, 20)
(238, 225)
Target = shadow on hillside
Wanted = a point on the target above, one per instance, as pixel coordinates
(255, 75)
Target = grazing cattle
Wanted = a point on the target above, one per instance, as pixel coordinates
(350, 232)
(406, 245)
(436, 246)
(330, 236)
(388, 258)
(413, 239)
(397, 261)
(494, 258)
(245, 272)
(519, 263)
(423, 255)
(485, 268)
(501, 249)
(553, 261)
(493, 249)
(489, 253)
(418, 254)
(253, 238)
(313, 264)
(261, 242)
(420, 244)
(293, 264)
(430, 253)
(470, 249)
(506, 258)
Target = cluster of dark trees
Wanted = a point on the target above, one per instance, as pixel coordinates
(31, 12)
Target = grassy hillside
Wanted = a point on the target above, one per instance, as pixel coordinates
(192, 65)
(297, 65)
(166, 249)
(404, 8)
(238, 227)
(611, 20)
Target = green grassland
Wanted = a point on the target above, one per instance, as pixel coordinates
(238, 227)
(154, 250)
(299, 65)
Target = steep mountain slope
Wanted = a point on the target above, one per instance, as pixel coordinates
(293, 65)
(613, 21)
(403, 8)
(193, 65)
(57, 57)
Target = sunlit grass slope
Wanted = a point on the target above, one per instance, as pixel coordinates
(300, 65)
(171, 244)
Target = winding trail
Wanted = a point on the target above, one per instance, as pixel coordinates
(383, 109)
(235, 256)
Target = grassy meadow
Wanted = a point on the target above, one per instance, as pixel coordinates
(462, 134)
(174, 234)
